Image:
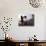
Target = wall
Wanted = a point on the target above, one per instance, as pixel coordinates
(12, 8)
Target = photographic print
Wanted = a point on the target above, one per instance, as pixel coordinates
(26, 20)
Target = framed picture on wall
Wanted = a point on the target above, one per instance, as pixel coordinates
(26, 20)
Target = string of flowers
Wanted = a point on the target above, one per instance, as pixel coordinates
(6, 25)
